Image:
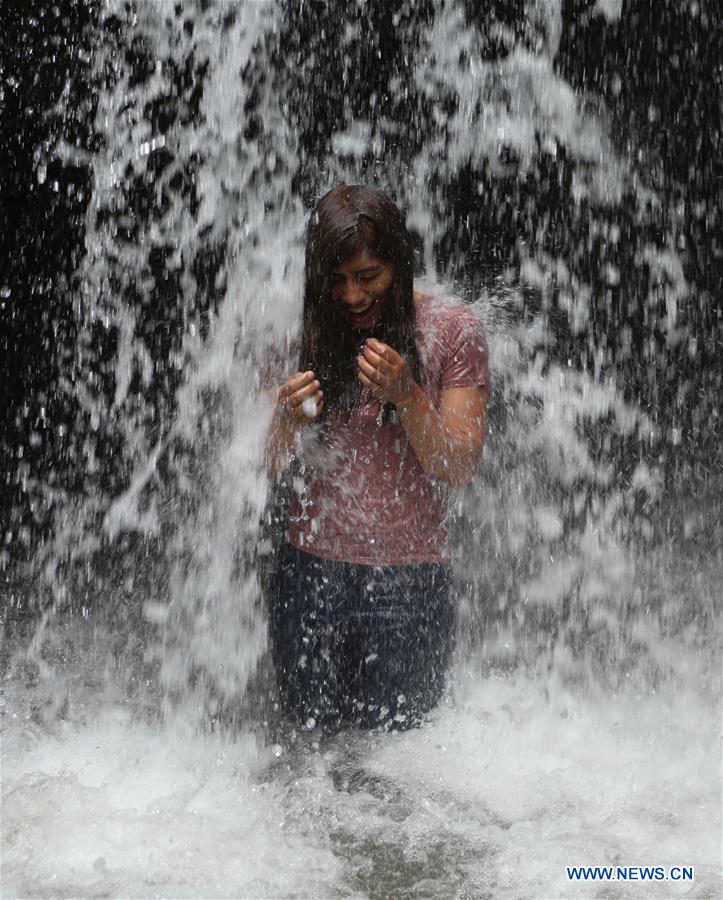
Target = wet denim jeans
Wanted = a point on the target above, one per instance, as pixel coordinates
(359, 645)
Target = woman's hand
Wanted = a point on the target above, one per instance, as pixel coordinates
(385, 373)
(300, 400)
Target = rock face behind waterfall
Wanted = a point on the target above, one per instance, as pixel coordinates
(154, 226)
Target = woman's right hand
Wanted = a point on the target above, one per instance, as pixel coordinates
(300, 399)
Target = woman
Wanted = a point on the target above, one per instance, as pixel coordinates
(386, 414)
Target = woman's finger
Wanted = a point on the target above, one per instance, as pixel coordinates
(387, 353)
(294, 383)
(377, 360)
(298, 397)
(372, 372)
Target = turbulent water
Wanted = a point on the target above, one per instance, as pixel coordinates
(143, 751)
(510, 782)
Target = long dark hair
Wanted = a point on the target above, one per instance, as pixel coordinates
(346, 220)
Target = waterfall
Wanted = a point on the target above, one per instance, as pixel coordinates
(208, 155)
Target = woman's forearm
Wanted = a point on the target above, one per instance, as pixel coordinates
(279, 446)
(447, 447)
(300, 399)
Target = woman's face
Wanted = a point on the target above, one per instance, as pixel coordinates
(361, 286)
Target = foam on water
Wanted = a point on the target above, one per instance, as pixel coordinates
(494, 797)
(126, 811)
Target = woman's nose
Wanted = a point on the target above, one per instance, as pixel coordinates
(351, 293)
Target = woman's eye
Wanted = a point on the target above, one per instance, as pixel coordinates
(367, 279)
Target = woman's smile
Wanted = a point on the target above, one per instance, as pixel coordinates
(360, 311)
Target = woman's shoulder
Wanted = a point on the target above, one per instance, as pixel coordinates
(452, 343)
(439, 315)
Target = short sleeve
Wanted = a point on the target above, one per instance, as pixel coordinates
(466, 358)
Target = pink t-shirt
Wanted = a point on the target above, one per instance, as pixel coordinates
(362, 496)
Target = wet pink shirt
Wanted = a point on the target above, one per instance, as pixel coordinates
(363, 496)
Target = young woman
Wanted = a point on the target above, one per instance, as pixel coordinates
(386, 414)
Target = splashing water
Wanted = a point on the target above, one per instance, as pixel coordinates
(143, 752)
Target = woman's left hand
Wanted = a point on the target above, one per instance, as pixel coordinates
(384, 372)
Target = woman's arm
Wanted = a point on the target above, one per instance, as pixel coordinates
(447, 441)
(299, 401)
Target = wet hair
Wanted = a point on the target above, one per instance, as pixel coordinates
(347, 220)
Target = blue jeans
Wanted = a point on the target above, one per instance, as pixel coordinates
(359, 645)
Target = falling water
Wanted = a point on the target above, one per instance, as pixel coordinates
(143, 750)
